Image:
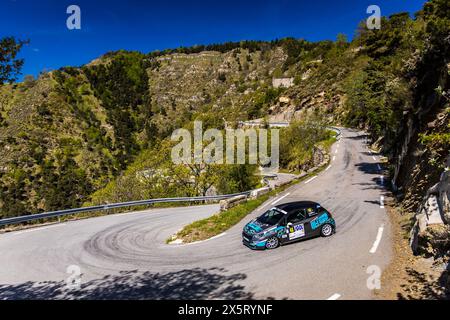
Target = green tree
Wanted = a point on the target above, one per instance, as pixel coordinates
(341, 40)
(10, 66)
(297, 144)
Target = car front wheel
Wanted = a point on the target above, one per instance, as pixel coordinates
(272, 243)
(326, 230)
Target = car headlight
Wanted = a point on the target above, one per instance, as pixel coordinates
(259, 236)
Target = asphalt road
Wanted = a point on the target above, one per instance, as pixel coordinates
(125, 256)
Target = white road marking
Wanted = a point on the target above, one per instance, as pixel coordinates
(382, 202)
(197, 242)
(334, 296)
(334, 158)
(281, 198)
(377, 240)
(218, 236)
(379, 167)
(263, 206)
(382, 180)
(38, 229)
(373, 157)
(308, 181)
(336, 151)
(328, 168)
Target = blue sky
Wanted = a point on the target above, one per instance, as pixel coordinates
(150, 25)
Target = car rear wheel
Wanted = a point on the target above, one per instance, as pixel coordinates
(326, 230)
(272, 243)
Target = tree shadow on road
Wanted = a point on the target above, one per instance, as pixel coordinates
(358, 137)
(366, 153)
(367, 167)
(196, 283)
(377, 202)
(376, 184)
(419, 286)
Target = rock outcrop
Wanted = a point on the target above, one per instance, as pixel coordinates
(434, 210)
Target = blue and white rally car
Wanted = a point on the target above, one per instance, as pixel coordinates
(286, 223)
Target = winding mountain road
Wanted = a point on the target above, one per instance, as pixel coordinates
(125, 256)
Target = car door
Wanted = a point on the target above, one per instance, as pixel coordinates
(296, 223)
(315, 219)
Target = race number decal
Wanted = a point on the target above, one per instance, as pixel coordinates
(297, 231)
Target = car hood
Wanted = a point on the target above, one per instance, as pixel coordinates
(255, 226)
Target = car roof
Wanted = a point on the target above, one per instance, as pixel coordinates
(288, 207)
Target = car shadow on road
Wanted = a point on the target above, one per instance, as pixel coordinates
(214, 283)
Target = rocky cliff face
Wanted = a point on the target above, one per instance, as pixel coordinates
(419, 161)
(433, 214)
(420, 172)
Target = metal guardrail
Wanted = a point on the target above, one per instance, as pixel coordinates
(60, 213)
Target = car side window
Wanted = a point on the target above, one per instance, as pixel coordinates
(311, 212)
(321, 210)
(297, 216)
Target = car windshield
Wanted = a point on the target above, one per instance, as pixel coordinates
(271, 217)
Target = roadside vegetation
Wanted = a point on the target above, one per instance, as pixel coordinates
(221, 222)
(154, 174)
(301, 144)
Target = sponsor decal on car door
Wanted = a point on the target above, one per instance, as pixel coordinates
(297, 231)
(319, 221)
